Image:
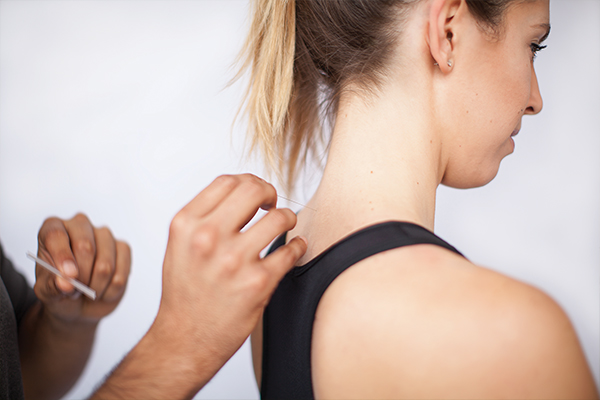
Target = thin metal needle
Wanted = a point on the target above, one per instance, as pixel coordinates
(295, 202)
(89, 292)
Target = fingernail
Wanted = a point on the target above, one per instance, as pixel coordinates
(69, 268)
(302, 238)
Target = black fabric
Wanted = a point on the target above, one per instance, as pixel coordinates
(16, 296)
(288, 319)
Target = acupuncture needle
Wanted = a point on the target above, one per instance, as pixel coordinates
(295, 202)
(88, 291)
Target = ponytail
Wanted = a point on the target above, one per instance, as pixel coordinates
(302, 56)
(268, 54)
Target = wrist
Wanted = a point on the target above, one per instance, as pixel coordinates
(194, 349)
(157, 367)
(184, 350)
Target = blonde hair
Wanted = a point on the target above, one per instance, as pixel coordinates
(303, 54)
(269, 56)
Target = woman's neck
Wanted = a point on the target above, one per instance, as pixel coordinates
(385, 163)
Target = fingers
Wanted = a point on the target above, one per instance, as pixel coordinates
(284, 258)
(83, 245)
(55, 247)
(238, 208)
(211, 196)
(268, 228)
(98, 260)
(229, 192)
(105, 262)
(122, 268)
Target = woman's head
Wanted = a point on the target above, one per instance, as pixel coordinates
(307, 55)
(489, 88)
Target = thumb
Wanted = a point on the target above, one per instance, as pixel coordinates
(285, 258)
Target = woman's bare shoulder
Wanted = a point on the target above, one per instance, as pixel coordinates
(421, 321)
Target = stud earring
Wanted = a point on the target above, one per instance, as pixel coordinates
(435, 64)
(449, 63)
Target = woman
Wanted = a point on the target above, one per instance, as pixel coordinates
(418, 93)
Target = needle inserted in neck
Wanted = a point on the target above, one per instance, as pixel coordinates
(295, 202)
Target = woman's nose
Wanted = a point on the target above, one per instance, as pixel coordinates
(535, 103)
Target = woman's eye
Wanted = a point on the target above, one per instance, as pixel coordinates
(535, 48)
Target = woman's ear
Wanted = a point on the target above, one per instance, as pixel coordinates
(441, 24)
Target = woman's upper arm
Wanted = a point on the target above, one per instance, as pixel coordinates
(442, 331)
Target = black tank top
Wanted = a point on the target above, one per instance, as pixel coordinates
(288, 319)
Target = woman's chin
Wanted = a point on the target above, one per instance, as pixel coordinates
(471, 179)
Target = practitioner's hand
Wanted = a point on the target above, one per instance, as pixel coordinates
(88, 254)
(215, 285)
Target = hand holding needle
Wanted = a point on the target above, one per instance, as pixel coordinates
(89, 292)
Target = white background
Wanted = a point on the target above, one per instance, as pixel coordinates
(119, 109)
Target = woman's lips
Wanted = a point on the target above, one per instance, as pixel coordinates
(515, 132)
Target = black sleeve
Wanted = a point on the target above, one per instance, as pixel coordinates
(20, 293)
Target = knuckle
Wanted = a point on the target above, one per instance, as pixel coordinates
(255, 179)
(118, 282)
(253, 186)
(259, 281)
(268, 186)
(83, 246)
(81, 218)
(258, 191)
(105, 231)
(230, 262)
(51, 221)
(205, 239)
(226, 180)
(282, 218)
(52, 234)
(289, 256)
(103, 269)
(179, 223)
(249, 177)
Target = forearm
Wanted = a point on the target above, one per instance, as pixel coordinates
(53, 352)
(161, 367)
